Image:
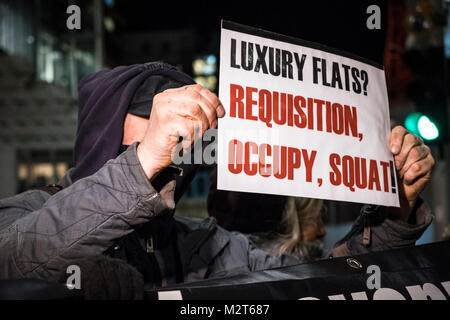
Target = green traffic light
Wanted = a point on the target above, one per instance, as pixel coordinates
(427, 129)
(422, 126)
(411, 122)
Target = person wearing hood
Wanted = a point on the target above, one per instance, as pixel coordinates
(112, 214)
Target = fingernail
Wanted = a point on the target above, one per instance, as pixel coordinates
(220, 110)
(394, 149)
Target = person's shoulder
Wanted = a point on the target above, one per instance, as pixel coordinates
(30, 200)
(18, 206)
(188, 225)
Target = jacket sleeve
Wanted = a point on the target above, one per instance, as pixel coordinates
(236, 255)
(381, 232)
(384, 234)
(82, 220)
(259, 259)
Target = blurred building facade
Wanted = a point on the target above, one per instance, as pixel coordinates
(37, 128)
(41, 63)
(40, 66)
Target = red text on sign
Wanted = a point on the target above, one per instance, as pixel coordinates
(284, 160)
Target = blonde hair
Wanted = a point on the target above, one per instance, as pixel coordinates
(297, 211)
(446, 234)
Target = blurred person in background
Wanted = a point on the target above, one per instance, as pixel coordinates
(446, 234)
(299, 233)
(245, 212)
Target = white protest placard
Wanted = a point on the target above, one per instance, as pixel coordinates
(302, 120)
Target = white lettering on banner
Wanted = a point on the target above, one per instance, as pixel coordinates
(329, 113)
(387, 294)
(446, 286)
(337, 297)
(427, 290)
(417, 292)
(170, 295)
(359, 295)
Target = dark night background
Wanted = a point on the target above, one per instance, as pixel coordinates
(339, 24)
(41, 62)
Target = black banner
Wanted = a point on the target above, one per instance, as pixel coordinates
(413, 273)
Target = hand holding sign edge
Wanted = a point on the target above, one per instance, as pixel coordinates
(414, 162)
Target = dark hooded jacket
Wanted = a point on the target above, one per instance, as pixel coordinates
(108, 207)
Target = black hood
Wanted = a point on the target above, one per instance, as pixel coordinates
(105, 98)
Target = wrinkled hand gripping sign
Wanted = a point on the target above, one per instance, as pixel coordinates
(302, 120)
